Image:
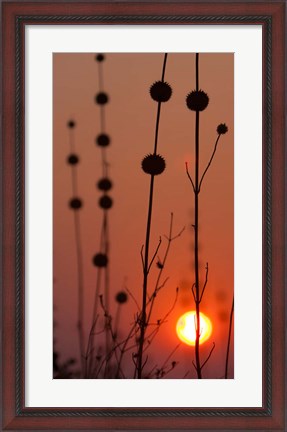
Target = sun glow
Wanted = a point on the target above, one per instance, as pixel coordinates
(185, 328)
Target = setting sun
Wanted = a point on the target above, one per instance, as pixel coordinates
(185, 328)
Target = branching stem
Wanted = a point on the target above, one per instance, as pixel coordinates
(209, 163)
(196, 213)
(139, 362)
(79, 255)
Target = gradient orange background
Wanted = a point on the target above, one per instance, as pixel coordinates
(130, 121)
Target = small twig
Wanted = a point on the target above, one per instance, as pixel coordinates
(163, 320)
(153, 296)
(189, 176)
(229, 337)
(89, 350)
(142, 256)
(151, 337)
(134, 356)
(169, 356)
(172, 367)
(205, 283)
(123, 349)
(145, 362)
(133, 297)
(208, 357)
(178, 235)
(193, 293)
(185, 375)
(209, 163)
(157, 287)
(109, 329)
(151, 371)
(152, 260)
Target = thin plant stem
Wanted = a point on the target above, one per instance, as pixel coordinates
(80, 289)
(139, 364)
(104, 238)
(196, 220)
(105, 230)
(79, 255)
(117, 321)
(123, 350)
(101, 86)
(92, 335)
(106, 249)
(89, 350)
(229, 338)
(157, 285)
(94, 316)
(145, 281)
(210, 161)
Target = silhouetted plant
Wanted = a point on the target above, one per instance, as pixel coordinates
(152, 164)
(63, 370)
(101, 260)
(229, 339)
(197, 101)
(121, 348)
(121, 298)
(76, 204)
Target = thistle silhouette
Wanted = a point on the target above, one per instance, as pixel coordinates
(153, 165)
(76, 204)
(197, 101)
(101, 259)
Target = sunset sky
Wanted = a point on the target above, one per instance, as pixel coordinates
(130, 121)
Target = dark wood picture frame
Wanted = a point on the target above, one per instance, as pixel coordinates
(271, 15)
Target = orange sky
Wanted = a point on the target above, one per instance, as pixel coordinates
(130, 121)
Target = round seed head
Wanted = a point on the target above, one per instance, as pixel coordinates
(160, 91)
(101, 98)
(71, 124)
(100, 260)
(222, 129)
(121, 297)
(100, 57)
(153, 164)
(73, 159)
(105, 202)
(103, 140)
(104, 184)
(75, 203)
(197, 100)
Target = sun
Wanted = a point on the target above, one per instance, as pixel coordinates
(185, 328)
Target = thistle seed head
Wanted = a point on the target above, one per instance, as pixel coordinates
(160, 91)
(103, 140)
(100, 260)
(121, 297)
(105, 202)
(75, 203)
(222, 129)
(72, 159)
(101, 98)
(153, 164)
(197, 100)
(104, 184)
(71, 124)
(100, 57)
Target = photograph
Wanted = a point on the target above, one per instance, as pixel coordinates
(143, 215)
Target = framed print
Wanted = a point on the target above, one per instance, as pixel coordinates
(143, 216)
